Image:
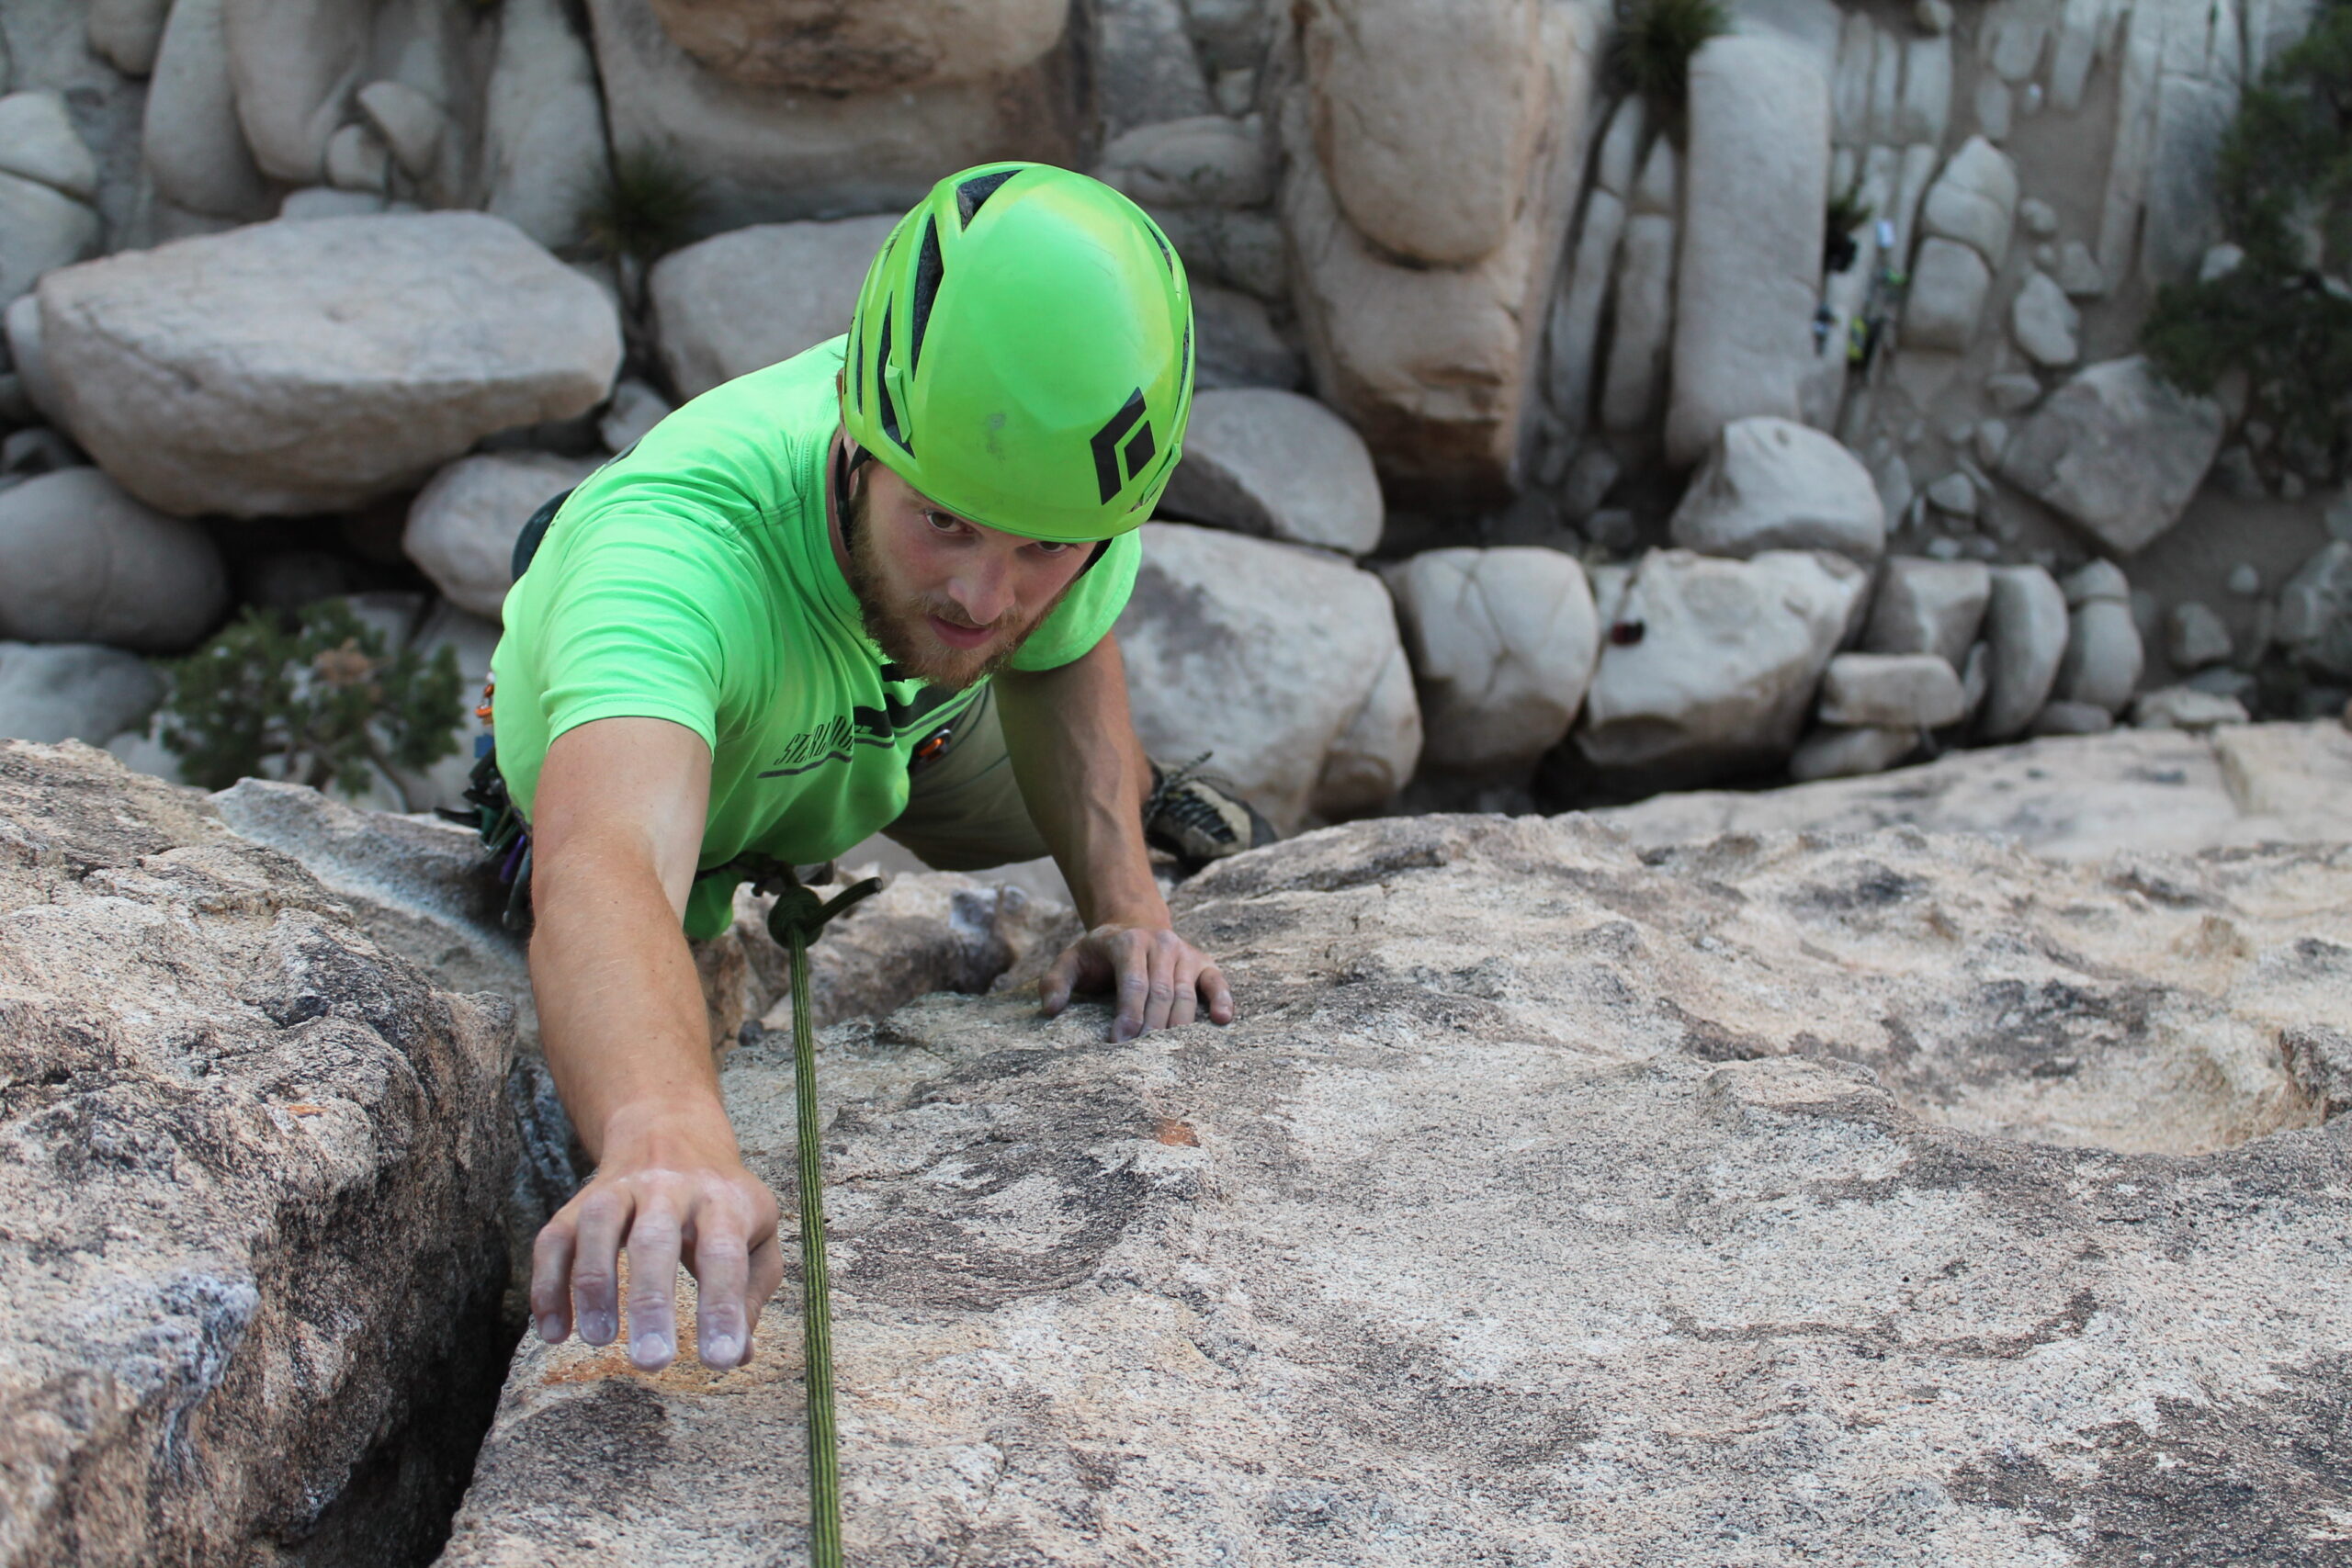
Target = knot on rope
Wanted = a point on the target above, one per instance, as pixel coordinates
(799, 913)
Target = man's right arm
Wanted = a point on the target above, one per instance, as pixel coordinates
(616, 830)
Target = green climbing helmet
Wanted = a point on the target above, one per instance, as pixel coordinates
(1022, 353)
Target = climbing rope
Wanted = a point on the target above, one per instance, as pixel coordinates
(795, 921)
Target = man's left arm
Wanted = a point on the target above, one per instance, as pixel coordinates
(1084, 777)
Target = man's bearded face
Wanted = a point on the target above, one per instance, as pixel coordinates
(947, 601)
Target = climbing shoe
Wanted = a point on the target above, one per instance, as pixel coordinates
(1199, 818)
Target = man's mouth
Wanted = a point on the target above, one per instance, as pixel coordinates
(961, 636)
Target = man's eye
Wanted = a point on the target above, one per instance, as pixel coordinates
(941, 521)
(1050, 548)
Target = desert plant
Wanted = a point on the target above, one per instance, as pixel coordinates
(2285, 183)
(644, 204)
(1650, 49)
(1848, 212)
(313, 698)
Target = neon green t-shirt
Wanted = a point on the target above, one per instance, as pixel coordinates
(693, 579)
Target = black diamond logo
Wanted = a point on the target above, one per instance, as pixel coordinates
(1109, 471)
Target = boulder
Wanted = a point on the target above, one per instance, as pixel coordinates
(256, 1165)
(1429, 119)
(2044, 323)
(1148, 67)
(1235, 343)
(38, 142)
(1707, 667)
(462, 527)
(292, 368)
(1750, 268)
(1946, 296)
(1834, 753)
(2315, 611)
(2195, 637)
(1502, 644)
(74, 690)
(636, 409)
(543, 124)
(1522, 1136)
(81, 561)
(41, 228)
(128, 32)
(1929, 606)
(2072, 797)
(1642, 333)
(1268, 655)
(1974, 200)
(2185, 708)
(1434, 364)
(2026, 626)
(747, 300)
(2064, 716)
(1206, 160)
(1773, 484)
(2104, 657)
(1891, 691)
(2116, 450)
(820, 45)
(760, 155)
(1237, 248)
(1279, 466)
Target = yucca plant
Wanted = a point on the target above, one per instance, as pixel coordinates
(642, 204)
(1650, 50)
(313, 697)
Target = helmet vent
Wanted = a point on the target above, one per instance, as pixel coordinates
(882, 390)
(973, 192)
(929, 269)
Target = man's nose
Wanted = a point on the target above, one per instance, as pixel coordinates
(984, 591)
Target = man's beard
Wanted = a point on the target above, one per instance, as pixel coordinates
(897, 626)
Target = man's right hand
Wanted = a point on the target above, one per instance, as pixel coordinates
(617, 826)
(671, 1188)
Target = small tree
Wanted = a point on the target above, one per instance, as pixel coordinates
(315, 699)
(2284, 314)
(1650, 49)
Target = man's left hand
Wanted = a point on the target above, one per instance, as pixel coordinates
(1162, 981)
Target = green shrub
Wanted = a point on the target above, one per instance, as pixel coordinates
(642, 206)
(312, 698)
(2285, 184)
(1650, 50)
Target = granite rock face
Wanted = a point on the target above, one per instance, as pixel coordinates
(1881, 1199)
(251, 1163)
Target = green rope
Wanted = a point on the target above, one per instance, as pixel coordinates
(795, 921)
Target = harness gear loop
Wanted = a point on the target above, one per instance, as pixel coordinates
(797, 918)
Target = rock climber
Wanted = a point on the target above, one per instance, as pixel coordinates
(870, 588)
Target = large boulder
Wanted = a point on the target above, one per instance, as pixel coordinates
(2026, 630)
(1207, 160)
(759, 153)
(543, 124)
(1283, 663)
(1773, 484)
(1974, 200)
(1863, 1199)
(1707, 667)
(74, 690)
(41, 228)
(193, 146)
(1750, 271)
(743, 300)
(1891, 691)
(81, 561)
(1929, 606)
(1946, 296)
(1427, 117)
(462, 526)
(1279, 466)
(38, 142)
(253, 1169)
(1435, 363)
(824, 46)
(1503, 644)
(2117, 450)
(292, 368)
(2315, 611)
(2075, 797)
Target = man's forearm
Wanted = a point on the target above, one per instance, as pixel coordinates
(620, 1005)
(1084, 777)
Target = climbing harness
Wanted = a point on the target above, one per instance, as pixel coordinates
(797, 920)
